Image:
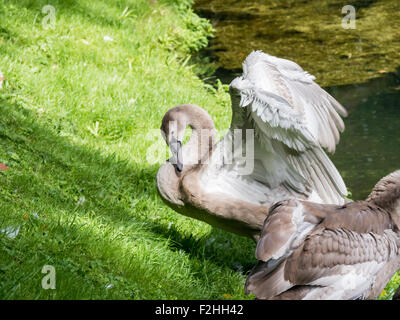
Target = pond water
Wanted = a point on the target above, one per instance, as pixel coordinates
(360, 67)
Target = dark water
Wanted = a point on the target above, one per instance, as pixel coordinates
(370, 146)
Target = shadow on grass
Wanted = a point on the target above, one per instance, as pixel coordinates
(62, 173)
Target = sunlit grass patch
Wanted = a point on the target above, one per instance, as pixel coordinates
(77, 104)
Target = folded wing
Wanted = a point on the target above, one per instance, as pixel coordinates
(330, 253)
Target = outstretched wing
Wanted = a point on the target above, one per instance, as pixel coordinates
(293, 119)
(320, 111)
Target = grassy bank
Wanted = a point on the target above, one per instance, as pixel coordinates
(76, 106)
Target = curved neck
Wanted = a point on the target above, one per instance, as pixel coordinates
(194, 151)
(197, 150)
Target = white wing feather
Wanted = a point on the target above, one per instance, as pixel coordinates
(293, 119)
(321, 112)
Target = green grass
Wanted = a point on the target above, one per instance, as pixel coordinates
(75, 114)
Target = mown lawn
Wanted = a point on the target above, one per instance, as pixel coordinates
(77, 106)
(79, 110)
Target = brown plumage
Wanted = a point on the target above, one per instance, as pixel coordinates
(179, 185)
(283, 121)
(315, 251)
